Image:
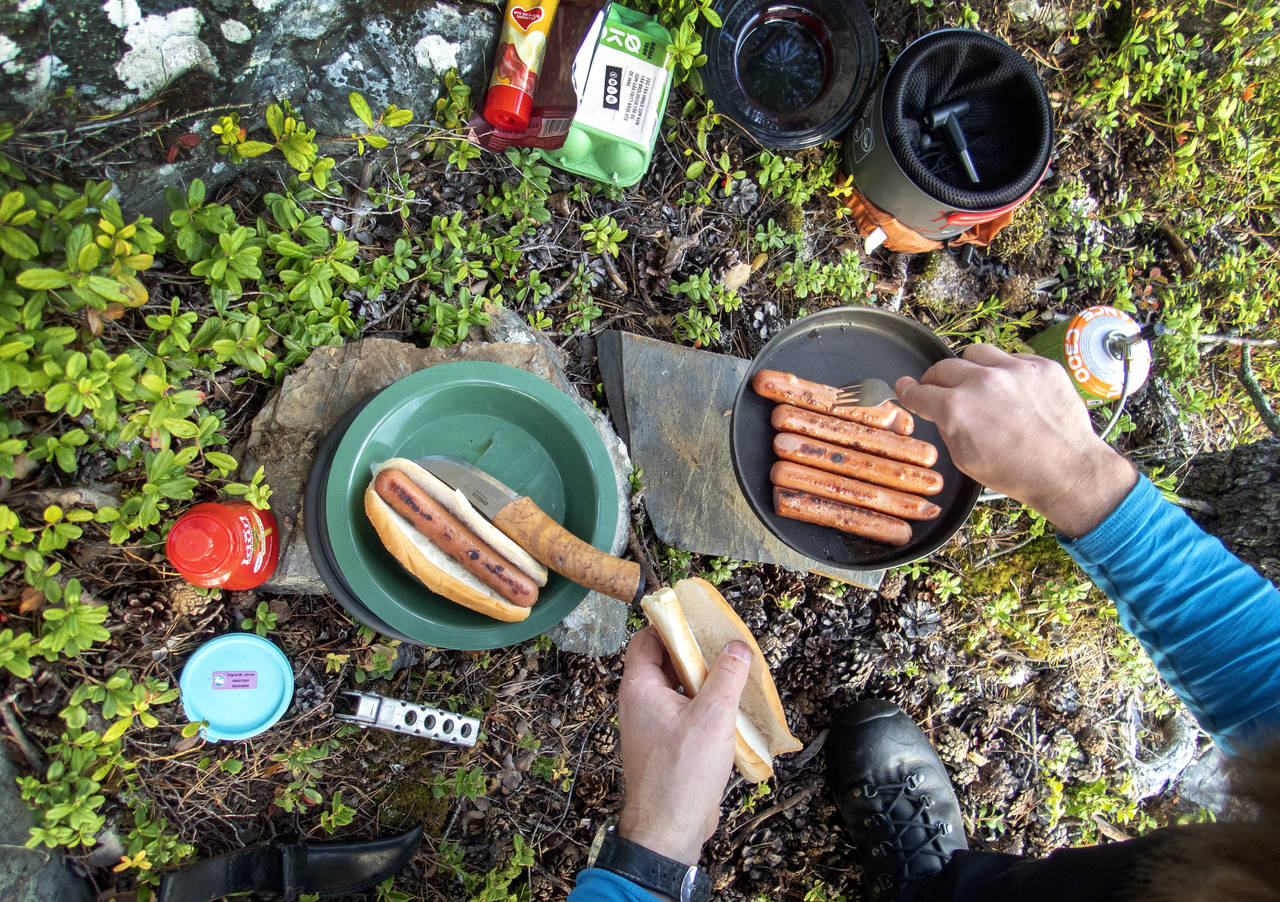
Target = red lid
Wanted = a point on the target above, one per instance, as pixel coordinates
(202, 545)
(508, 108)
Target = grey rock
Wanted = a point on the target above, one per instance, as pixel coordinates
(1052, 16)
(116, 54)
(309, 403)
(596, 627)
(690, 492)
(29, 875)
(1206, 782)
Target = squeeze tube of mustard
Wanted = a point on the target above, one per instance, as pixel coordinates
(521, 48)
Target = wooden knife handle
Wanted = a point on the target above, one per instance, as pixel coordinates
(526, 524)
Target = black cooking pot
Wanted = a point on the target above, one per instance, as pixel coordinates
(791, 74)
(904, 153)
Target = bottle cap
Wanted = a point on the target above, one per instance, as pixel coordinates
(240, 683)
(201, 545)
(508, 108)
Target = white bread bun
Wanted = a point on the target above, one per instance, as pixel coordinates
(433, 567)
(456, 503)
(695, 622)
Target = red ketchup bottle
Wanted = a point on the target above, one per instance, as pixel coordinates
(225, 545)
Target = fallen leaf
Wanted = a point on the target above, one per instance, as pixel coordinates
(758, 261)
(32, 600)
(737, 276)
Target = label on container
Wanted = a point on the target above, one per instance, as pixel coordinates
(626, 80)
(235, 679)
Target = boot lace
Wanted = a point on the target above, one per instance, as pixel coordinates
(893, 848)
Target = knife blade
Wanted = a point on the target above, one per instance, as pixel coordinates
(526, 524)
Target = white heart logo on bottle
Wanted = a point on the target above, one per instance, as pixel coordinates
(525, 17)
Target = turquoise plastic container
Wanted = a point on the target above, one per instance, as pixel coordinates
(621, 103)
(240, 683)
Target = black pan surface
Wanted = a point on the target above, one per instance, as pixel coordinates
(838, 346)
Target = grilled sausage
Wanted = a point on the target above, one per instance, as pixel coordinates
(855, 520)
(448, 534)
(882, 442)
(866, 467)
(850, 491)
(787, 388)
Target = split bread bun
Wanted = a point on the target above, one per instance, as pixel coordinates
(436, 569)
(695, 623)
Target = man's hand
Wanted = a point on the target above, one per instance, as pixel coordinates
(1015, 424)
(676, 751)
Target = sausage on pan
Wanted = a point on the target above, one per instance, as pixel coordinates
(448, 534)
(866, 467)
(789, 418)
(823, 512)
(851, 491)
(787, 388)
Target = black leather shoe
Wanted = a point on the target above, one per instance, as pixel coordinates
(894, 794)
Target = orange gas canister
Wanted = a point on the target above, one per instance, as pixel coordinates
(227, 545)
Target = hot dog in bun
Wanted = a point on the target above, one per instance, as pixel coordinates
(435, 534)
(695, 623)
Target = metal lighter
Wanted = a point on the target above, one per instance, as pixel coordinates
(382, 713)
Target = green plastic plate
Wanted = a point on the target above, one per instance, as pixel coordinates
(508, 422)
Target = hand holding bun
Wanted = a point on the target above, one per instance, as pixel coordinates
(694, 621)
(677, 751)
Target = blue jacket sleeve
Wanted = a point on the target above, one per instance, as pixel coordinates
(596, 885)
(1209, 621)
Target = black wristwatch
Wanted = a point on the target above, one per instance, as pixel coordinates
(656, 873)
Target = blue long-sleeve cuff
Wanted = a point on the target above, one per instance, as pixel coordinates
(596, 885)
(1210, 623)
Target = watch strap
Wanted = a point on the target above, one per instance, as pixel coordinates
(654, 872)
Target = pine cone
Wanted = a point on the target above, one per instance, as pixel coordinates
(995, 784)
(1057, 694)
(41, 694)
(762, 856)
(744, 194)
(919, 619)
(604, 739)
(592, 788)
(460, 188)
(963, 773)
(147, 613)
(308, 693)
(753, 615)
(187, 601)
(951, 743)
(779, 643)
(892, 585)
(835, 623)
(854, 667)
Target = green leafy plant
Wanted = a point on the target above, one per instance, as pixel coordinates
(391, 117)
(603, 235)
(263, 620)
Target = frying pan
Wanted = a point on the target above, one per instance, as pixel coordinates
(838, 346)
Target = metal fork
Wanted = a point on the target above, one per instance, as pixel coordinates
(865, 393)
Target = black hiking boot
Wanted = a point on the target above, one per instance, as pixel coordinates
(894, 794)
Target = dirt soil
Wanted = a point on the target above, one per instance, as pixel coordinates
(996, 702)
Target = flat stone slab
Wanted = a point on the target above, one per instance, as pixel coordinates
(313, 398)
(671, 405)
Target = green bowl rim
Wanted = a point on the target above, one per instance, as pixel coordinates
(341, 492)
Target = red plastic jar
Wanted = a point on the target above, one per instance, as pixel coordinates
(226, 545)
